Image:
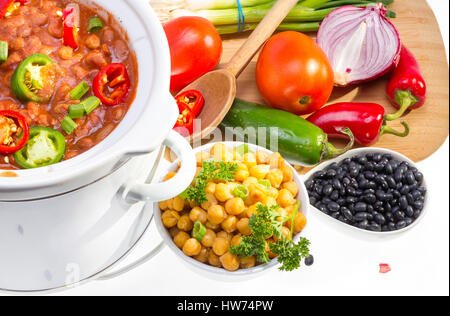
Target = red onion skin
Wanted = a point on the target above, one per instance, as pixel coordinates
(395, 60)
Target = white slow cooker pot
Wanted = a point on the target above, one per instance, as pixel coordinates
(65, 223)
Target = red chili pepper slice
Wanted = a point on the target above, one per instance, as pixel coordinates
(114, 79)
(8, 6)
(407, 88)
(385, 268)
(71, 21)
(185, 121)
(367, 121)
(193, 99)
(14, 131)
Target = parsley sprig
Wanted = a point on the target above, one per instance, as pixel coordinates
(211, 171)
(267, 222)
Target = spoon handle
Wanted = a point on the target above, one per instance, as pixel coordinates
(260, 35)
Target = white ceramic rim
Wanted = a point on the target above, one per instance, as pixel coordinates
(302, 196)
(366, 150)
(92, 159)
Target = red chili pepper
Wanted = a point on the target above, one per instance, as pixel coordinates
(8, 6)
(71, 21)
(193, 99)
(185, 121)
(384, 268)
(115, 79)
(14, 131)
(367, 121)
(407, 88)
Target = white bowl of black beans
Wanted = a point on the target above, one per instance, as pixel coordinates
(371, 190)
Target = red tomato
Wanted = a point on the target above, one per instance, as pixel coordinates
(294, 74)
(195, 49)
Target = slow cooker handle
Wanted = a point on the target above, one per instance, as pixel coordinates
(157, 192)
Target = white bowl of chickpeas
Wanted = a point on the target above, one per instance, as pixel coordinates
(267, 179)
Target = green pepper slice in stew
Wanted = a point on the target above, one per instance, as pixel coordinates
(45, 147)
(34, 79)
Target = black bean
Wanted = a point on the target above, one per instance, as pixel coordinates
(422, 190)
(399, 215)
(369, 156)
(346, 181)
(320, 174)
(323, 209)
(380, 219)
(351, 199)
(364, 184)
(409, 221)
(327, 189)
(379, 206)
(360, 207)
(403, 202)
(341, 201)
(398, 175)
(392, 226)
(391, 182)
(419, 176)
(385, 228)
(410, 199)
(337, 184)
(374, 227)
(351, 191)
(405, 189)
(417, 214)
(416, 194)
(379, 167)
(326, 200)
(331, 173)
(387, 207)
(400, 224)
(309, 261)
(370, 198)
(380, 195)
(396, 194)
(370, 166)
(335, 215)
(334, 166)
(346, 161)
(418, 205)
(347, 214)
(370, 208)
(361, 217)
(388, 169)
(363, 224)
(353, 172)
(388, 157)
(369, 175)
(334, 195)
(333, 207)
(409, 177)
(310, 184)
(362, 160)
(343, 219)
(372, 185)
(318, 188)
(377, 157)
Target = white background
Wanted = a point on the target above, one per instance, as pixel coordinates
(345, 265)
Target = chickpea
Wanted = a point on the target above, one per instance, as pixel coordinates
(211, 201)
(271, 254)
(220, 152)
(241, 175)
(285, 198)
(259, 171)
(283, 214)
(242, 167)
(252, 210)
(185, 224)
(272, 192)
(285, 232)
(230, 262)
(235, 206)
(288, 174)
(250, 160)
(218, 148)
(65, 52)
(214, 260)
(225, 235)
(275, 160)
(221, 246)
(208, 240)
(299, 223)
(243, 228)
(291, 187)
(92, 41)
(170, 218)
(262, 157)
(180, 239)
(192, 247)
(214, 227)
(163, 205)
(197, 214)
(210, 188)
(257, 193)
(237, 156)
(223, 192)
(249, 181)
(178, 204)
(201, 156)
(248, 262)
(236, 240)
(270, 201)
(169, 176)
(202, 256)
(216, 214)
(174, 231)
(275, 177)
(229, 224)
(290, 210)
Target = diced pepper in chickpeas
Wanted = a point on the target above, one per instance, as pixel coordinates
(235, 206)
(180, 239)
(178, 204)
(230, 262)
(192, 247)
(209, 238)
(275, 176)
(185, 224)
(214, 259)
(285, 198)
(197, 214)
(248, 262)
(221, 246)
(216, 214)
(223, 192)
(243, 228)
(170, 218)
(229, 224)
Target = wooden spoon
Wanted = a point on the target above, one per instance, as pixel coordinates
(219, 86)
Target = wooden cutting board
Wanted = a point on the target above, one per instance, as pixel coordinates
(419, 30)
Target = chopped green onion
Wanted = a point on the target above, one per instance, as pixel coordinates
(79, 91)
(90, 104)
(199, 231)
(76, 111)
(298, 27)
(243, 149)
(3, 51)
(265, 183)
(68, 125)
(241, 191)
(95, 25)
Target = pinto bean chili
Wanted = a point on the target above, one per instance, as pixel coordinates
(44, 65)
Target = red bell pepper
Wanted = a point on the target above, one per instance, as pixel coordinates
(113, 77)
(407, 88)
(185, 121)
(71, 21)
(367, 121)
(193, 99)
(14, 131)
(8, 6)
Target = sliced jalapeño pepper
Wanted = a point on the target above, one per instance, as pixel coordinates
(112, 84)
(14, 131)
(34, 79)
(193, 99)
(45, 147)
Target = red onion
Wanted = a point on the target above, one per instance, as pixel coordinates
(361, 43)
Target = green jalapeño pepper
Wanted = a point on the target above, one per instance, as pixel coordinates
(45, 147)
(296, 139)
(34, 79)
